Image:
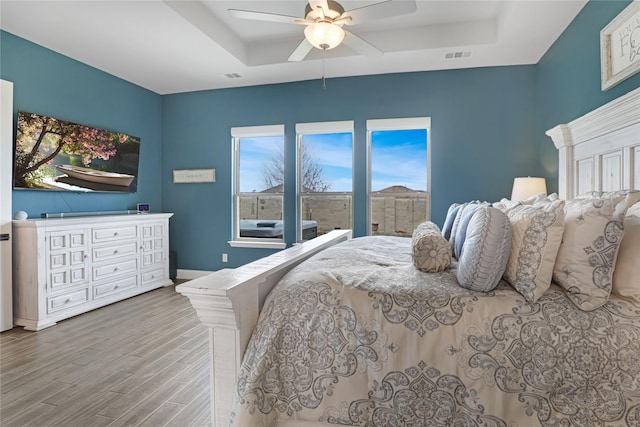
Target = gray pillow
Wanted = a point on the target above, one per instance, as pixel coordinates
(461, 232)
(486, 249)
(448, 222)
(456, 222)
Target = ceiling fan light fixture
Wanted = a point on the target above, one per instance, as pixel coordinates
(324, 35)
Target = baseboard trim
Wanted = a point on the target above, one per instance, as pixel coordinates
(191, 274)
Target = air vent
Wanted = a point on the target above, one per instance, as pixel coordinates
(233, 75)
(456, 55)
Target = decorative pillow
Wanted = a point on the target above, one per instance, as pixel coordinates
(448, 222)
(461, 232)
(458, 219)
(456, 222)
(536, 234)
(485, 251)
(505, 205)
(626, 276)
(592, 235)
(431, 252)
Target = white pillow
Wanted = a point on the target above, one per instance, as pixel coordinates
(485, 251)
(431, 252)
(505, 205)
(626, 276)
(536, 234)
(592, 235)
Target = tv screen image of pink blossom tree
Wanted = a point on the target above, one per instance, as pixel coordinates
(53, 154)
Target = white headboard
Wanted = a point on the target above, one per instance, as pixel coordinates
(600, 151)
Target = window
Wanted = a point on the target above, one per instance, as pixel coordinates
(399, 188)
(325, 177)
(258, 189)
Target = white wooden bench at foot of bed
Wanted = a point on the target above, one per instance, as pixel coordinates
(229, 302)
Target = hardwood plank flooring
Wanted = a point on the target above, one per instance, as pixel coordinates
(139, 362)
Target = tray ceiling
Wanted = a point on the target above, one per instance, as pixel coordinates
(182, 46)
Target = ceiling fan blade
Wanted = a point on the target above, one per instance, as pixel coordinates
(361, 46)
(301, 51)
(262, 16)
(385, 9)
(319, 4)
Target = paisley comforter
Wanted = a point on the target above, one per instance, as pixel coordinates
(358, 336)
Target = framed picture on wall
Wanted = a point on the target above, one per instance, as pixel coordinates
(620, 46)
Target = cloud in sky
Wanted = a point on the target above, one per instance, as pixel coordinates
(255, 154)
(397, 158)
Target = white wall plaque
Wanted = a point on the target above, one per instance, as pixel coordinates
(620, 46)
(187, 176)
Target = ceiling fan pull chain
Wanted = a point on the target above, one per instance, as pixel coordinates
(324, 81)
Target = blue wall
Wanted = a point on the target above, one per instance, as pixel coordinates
(51, 84)
(568, 79)
(479, 118)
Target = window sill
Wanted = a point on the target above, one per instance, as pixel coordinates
(256, 244)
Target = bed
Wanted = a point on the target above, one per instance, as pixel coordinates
(358, 336)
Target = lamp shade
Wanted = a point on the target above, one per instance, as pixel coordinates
(523, 188)
(324, 35)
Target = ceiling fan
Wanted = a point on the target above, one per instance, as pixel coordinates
(324, 20)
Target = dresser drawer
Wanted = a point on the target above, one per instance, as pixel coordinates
(112, 287)
(66, 259)
(114, 269)
(67, 300)
(151, 258)
(107, 252)
(66, 239)
(153, 275)
(99, 235)
(67, 278)
(152, 230)
(152, 244)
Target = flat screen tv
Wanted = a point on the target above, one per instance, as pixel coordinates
(52, 154)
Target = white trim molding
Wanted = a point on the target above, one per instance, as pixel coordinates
(325, 127)
(616, 123)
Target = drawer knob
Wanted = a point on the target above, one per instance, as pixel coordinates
(115, 233)
(115, 252)
(115, 269)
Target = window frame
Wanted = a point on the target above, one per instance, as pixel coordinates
(406, 123)
(317, 128)
(237, 133)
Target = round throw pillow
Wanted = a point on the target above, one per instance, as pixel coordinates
(430, 251)
(486, 248)
(461, 232)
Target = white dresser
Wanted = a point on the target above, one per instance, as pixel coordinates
(66, 266)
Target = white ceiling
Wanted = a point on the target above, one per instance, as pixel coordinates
(182, 46)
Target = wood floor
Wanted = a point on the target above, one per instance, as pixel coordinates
(138, 362)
